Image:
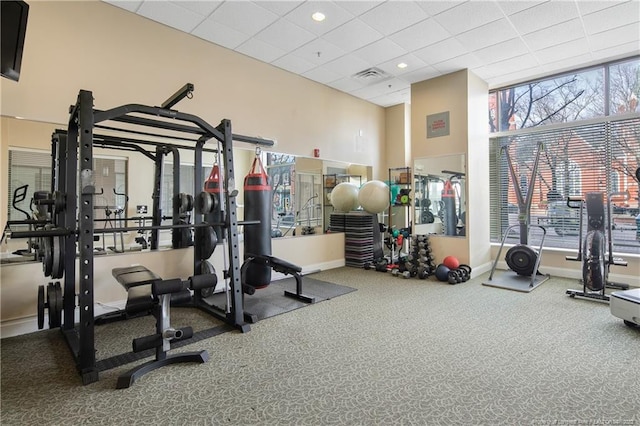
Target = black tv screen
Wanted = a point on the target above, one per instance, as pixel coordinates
(14, 25)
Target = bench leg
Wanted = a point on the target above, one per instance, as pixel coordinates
(127, 379)
(298, 294)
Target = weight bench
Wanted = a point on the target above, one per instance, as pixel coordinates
(277, 265)
(148, 293)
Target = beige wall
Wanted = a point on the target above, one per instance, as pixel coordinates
(398, 148)
(124, 58)
(441, 94)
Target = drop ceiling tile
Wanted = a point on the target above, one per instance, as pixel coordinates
(412, 61)
(391, 17)
(441, 51)
(345, 84)
(286, 35)
(280, 8)
(509, 7)
(219, 34)
(586, 7)
(556, 34)
(334, 16)
(347, 65)
(487, 35)
(512, 65)
(612, 17)
(381, 88)
(419, 35)
(352, 35)
(566, 64)
(380, 51)
(243, 16)
(131, 6)
(605, 39)
(260, 50)
(435, 7)
(322, 75)
(469, 15)
(203, 8)
(618, 51)
(469, 61)
(294, 64)
(319, 51)
(516, 77)
(501, 51)
(544, 15)
(357, 8)
(562, 51)
(170, 14)
(421, 74)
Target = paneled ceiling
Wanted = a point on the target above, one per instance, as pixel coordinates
(358, 46)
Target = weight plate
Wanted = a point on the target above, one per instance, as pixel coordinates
(207, 240)
(207, 268)
(204, 203)
(47, 256)
(40, 307)
(54, 303)
(57, 266)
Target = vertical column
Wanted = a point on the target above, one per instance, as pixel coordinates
(86, 355)
(231, 223)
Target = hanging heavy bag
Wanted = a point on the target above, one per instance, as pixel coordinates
(212, 186)
(257, 238)
(449, 201)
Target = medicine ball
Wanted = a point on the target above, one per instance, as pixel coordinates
(451, 262)
(442, 272)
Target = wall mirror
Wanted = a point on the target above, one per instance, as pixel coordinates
(440, 206)
(301, 189)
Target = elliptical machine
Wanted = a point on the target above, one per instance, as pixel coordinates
(521, 258)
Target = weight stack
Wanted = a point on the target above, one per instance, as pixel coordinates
(213, 186)
(257, 238)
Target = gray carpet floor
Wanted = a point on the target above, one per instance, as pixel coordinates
(396, 351)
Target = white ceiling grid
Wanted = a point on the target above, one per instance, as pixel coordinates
(502, 42)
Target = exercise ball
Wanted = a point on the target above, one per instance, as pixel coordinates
(442, 272)
(344, 197)
(374, 196)
(451, 262)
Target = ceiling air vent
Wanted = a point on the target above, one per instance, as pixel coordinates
(371, 75)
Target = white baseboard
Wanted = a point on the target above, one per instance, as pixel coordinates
(19, 326)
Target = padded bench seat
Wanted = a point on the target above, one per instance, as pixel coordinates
(137, 280)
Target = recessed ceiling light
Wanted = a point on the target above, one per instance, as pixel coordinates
(402, 65)
(318, 16)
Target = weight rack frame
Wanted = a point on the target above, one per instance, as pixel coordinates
(75, 152)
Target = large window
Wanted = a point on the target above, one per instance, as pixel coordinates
(590, 138)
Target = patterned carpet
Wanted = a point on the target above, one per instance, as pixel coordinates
(396, 351)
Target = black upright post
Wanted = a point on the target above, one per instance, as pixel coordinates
(66, 159)
(198, 186)
(231, 223)
(86, 354)
(176, 233)
(156, 213)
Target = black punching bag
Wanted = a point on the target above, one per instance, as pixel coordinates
(449, 201)
(257, 238)
(213, 186)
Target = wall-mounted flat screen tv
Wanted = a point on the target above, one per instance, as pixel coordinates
(14, 25)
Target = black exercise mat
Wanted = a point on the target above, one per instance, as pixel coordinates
(271, 301)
